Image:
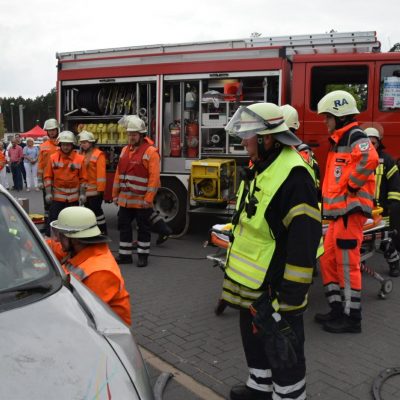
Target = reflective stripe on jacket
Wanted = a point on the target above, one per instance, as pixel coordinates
(95, 164)
(137, 176)
(253, 246)
(96, 267)
(65, 176)
(387, 187)
(46, 149)
(351, 162)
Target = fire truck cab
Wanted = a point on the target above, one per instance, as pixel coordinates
(186, 93)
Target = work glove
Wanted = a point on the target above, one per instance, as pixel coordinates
(82, 195)
(48, 198)
(40, 185)
(276, 334)
(82, 199)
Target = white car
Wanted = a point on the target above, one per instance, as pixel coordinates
(57, 339)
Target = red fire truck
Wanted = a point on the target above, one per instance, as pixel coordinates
(187, 92)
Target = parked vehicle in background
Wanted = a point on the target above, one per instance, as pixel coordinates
(187, 92)
(58, 340)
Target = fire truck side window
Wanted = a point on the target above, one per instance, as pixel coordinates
(353, 79)
(389, 98)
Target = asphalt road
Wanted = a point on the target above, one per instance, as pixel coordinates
(172, 306)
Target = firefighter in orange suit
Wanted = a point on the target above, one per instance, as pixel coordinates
(347, 200)
(88, 258)
(65, 177)
(46, 149)
(136, 181)
(95, 165)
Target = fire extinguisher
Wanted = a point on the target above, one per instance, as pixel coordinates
(175, 143)
(192, 137)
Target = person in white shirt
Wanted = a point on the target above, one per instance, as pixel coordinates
(31, 154)
(3, 166)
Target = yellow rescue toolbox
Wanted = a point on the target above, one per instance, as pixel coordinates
(213, 180)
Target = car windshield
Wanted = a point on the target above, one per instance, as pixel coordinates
(23, 262)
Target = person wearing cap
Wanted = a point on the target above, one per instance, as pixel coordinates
(387, 196)
(65, 177)
(136, 181)
(46, 149)
(85, 254)
(95, 164)
(347, 201)
(270, 262)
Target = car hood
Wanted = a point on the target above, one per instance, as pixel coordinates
(50, 350)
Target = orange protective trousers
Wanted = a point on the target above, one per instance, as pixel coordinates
(340, 264)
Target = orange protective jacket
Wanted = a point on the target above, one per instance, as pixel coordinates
(3, 160)
(65, 176)
(95, 165)
(137, 176)
(46, 149)
(349, 182)
(96, 267)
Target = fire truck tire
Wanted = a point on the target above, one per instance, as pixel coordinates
(172, 203)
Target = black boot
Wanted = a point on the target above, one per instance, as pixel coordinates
(345, 324)
(394, 269)
(124, 259)
(161, 238)
(220, 307)
(142, 260)
(243, 392)
(332, 315)
(164, 231)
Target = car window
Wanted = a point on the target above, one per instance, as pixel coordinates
(22, 258)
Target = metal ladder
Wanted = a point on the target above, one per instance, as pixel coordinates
(326, 43)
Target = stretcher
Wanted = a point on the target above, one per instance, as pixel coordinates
(375, 233)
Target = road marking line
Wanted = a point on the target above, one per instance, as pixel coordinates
(185, 380)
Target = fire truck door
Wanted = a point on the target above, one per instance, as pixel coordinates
(322, 78)
(386, 110)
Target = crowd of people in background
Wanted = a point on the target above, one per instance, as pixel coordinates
(19, 158)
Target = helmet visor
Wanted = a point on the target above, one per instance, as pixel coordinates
(246, 123)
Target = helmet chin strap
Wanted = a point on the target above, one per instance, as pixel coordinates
(342, 121)
(261, 151)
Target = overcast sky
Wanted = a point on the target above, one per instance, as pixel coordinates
(32, 31)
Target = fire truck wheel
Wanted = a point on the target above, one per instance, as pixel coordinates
(171, 202)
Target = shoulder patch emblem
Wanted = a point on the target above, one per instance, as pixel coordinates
(364, 146)
(338, 172)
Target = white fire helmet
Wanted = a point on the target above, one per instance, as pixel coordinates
(50, 124)
(338, 103)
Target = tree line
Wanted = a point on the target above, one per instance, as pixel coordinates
(35, 112)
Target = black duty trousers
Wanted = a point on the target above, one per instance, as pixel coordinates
(94, 203)
(286, 383)
(125, 218)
